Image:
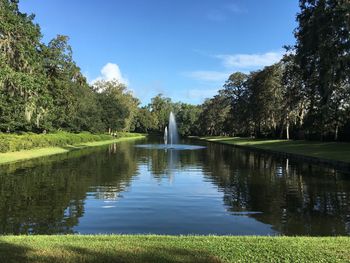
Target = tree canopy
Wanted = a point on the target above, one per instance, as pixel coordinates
(306, 95)
(42, 88)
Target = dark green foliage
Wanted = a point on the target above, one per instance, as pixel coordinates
(155, 116)
(214, 116)
(145, 121)
(161, 107)
(118, 106)
(12, 143)
(75, 106)
(305, 95)
(23, 85)
(248, 105)
(42, 88)
(323, 56)
(187, 117)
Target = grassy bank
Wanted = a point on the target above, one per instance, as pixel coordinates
(77, 143)
(164, 249)
(325, 150)
(28, 141)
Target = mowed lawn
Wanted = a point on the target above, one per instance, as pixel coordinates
(338, 151)
(151, 248)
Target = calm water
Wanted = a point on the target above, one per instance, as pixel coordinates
(217, 190)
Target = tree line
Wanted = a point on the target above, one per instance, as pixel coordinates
(306, 95)
(43, 89)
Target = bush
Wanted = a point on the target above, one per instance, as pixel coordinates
(14, 142)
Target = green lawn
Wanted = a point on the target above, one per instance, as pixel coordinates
(150, 248)
(41, 152)
(325, 150)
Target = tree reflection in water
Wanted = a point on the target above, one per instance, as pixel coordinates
(294, 197)
(49, 195)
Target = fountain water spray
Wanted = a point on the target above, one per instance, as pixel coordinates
(166, 135)
(171, 140)
(173, 135)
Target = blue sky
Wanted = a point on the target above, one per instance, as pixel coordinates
(184, 49)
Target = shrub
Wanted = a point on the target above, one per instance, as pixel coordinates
(26, 141)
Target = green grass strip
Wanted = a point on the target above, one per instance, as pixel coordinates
(151, 248)
(47, 151)
(337, 151)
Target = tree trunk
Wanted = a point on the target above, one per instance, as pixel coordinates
(336, 132)
(281, 131)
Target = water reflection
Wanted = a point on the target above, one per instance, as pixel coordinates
(217, 190)
(50, 197)
(295, 198)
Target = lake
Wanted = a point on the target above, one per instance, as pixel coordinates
(219, 189)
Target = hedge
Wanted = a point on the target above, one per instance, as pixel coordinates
(27, 141)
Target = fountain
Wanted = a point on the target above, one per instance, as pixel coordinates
(166, 135)
(173, 135)
(171, 139)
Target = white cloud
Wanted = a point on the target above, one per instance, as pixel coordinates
(235, 8)
(207, 75)
(250, 60)
(236, 62)
(225, 12)
(217, 16)
(193, 95)
(201, 94)
(111, 71)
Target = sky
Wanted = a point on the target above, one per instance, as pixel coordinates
(184, 49)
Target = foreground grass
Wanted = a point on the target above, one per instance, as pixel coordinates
(325, 150)
(150, 248)
(47, 151)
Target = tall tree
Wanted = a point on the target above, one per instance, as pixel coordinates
(187, 118)
(323, 54)
(118, 106)
(235, 94)
(213, 116)
(265, 99)
(72, 97)
(294, 102)
(23, 86)
(145, 121)
(161, 107)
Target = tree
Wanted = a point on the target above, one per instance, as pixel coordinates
(294, 103)
(235, 94)
(74, 105)
(23, 86)
(161, 107)
(145, 121)
(187, 118)
(265, 99)
(323, 55)
(119, 107)
(213, 116)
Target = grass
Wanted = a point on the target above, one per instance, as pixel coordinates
(337, 151)
(151, 248)
(47, 151)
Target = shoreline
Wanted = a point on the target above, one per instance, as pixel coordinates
(18, 156)
(267, 146)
